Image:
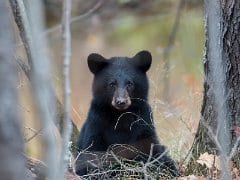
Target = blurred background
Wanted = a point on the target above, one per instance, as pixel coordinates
(172, 30)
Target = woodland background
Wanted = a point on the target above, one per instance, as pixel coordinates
(122, 28)
(173, 31)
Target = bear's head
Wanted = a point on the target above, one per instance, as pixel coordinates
(120, 81)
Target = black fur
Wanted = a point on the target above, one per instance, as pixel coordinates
(106, 125)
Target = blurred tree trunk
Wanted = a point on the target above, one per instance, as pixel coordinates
(12, 165)
(19, 13)
(220, 115)
(166, 52)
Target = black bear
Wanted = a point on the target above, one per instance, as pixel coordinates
(120, 113)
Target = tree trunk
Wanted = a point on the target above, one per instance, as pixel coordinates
(231, 51)
(20, 16)
(220, 114)
(12, 165)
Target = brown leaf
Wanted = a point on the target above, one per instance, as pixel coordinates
(236, 173)
(72, 176)
(209, 160)
(192, 177)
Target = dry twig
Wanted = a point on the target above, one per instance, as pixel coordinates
(77, 18)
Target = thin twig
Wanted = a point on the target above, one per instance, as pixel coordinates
(26, 69)
(212, 135)
(82, 152)
(151, 153)
(234, 148)
(132, 168)
(118, 160)
(36, 133)
(139, 118)
(77, 18)
(22, 22)
(157, 159)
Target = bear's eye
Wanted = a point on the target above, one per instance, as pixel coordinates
(112, 84)
(129, 84)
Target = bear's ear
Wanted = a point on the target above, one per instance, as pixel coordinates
(96, 62)
(142, 60)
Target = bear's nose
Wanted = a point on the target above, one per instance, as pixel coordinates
(121, 101)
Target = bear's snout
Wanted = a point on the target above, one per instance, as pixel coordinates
(121, 99)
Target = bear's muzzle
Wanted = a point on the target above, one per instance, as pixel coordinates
(121, 99)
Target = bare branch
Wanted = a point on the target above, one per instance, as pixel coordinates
(139, 118)
(234, 148)
(67, 124)
(21, 20)
(26, 69)
(60, 108)
(211, 135)
(77, 18)
(36, 133)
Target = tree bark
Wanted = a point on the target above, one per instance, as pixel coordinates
(231, 52)
(220, 114)
(67, 123)
(42, 90)
(12, 165)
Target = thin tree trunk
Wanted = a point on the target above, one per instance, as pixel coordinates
(12, 165)
(22, 22)
(221, 101)
(41, 84)
(67, 124)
